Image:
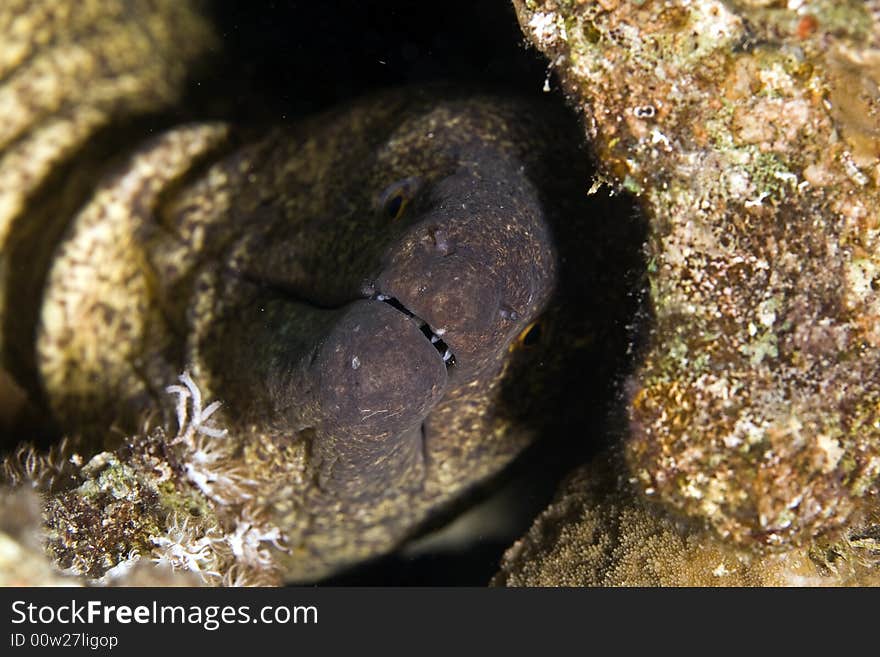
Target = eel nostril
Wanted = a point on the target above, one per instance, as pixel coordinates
(508, 313)
(442, 241)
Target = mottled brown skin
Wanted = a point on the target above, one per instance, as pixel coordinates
(79, 81)
(261, 274)
(259, 260)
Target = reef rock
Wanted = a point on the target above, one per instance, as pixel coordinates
(601, 532)
(749, 133)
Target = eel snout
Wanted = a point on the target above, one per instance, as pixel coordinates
(457, 298)
(475, 279)
(377, 373)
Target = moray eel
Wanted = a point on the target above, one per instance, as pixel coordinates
(392, 299)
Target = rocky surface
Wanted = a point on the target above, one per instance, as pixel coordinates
(748, 132)
(601, 532)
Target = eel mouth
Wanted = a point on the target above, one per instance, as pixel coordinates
(441, 347)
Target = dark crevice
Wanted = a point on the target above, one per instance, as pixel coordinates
(271, 49)
(286, 290)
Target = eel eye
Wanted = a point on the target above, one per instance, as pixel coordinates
(395, 205)
(394, 199)
(530, 336)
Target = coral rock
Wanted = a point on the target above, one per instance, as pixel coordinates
(600, 532)
(749, 133)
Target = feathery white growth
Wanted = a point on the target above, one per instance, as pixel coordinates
(120, 571)
(242, 555)
(206, 455)
(222, 485)
(237, 558)
(182, 548)
(239, 577)
(28, 466)
(187, 430)
(251, 538)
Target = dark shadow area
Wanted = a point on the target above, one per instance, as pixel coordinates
(473, 567)
(287, 59)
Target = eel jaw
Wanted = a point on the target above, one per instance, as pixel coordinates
(434, 336)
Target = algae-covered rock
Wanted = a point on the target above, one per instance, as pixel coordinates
(749, 133)
(23, 560)
(158, 511)
(600, 532)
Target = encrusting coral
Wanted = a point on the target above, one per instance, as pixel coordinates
(748, 131)
(181, 503)
(601, 532)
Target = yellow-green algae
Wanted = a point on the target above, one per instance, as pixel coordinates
(750, 130)
(145, 514)
(600, 532)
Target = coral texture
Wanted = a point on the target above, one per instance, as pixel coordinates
(601, 532)
(749, 133)
(181, 503)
